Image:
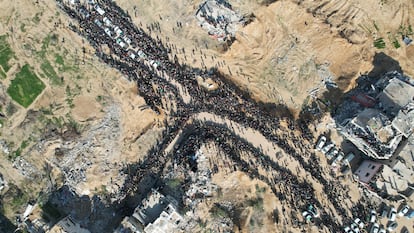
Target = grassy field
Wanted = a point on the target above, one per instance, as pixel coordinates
(5, 53)
(25, 87)
(48, 70)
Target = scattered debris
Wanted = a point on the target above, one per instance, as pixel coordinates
(156, 214)
(219, 19)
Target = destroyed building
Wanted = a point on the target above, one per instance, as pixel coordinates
(219, 19)
(156, 214)
(372, 132)
(378, 131)
(397, 177)
(395, 95)
(67, 225)
(381, 126)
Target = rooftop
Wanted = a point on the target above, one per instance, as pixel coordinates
(67, 225)
(150, 208)
(378, 131)
(372, 132)
(403, 122)
(168, 220)
(396, 95)
(156, 213)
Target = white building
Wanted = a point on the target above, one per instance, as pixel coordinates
(156, 214)
(67, 225)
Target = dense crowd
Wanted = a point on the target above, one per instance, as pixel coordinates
(227, 101)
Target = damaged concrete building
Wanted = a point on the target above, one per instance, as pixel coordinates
(397, 177)
(378, 131)
(67, 225)
(384, 133)
(156, 214)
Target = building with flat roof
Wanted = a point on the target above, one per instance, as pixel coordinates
(156, 214)
(378, 131)
(367, 170)
(398, 175)
(67, 225)
(404, 121)
(372, 133)
(396, 95)
(168, 220)
(384, 131)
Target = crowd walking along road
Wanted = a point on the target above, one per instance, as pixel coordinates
(172, 88)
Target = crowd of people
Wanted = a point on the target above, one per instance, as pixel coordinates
(227, 101)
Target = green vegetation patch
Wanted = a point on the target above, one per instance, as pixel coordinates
(15, 197)
(36, 18)
(2, 74)
(59, 60)
(6, 53)
(173, 183)
(396, 43)
(45, 45)
(25, 87)
(379, 43)
(64, 66)
(405, 30)
(48, 70)
(217, 211)
(256, 203)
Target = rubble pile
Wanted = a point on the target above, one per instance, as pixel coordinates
(219, 19)
(375, 126)
(25, 168)
(200, 181)
(81, 155)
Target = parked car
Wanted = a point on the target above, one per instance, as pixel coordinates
(327, 148)
(307, 216)
(332, 153)
(403, 210)
(384, 211)
(374, 228)
(373, 216)
(392, 215)
(359, 223)
(382, 230)
(321, 142)
(391, 226)
(347, 229)
(355, 228)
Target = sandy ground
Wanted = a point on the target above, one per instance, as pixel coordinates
(237, 186)
(278, 55)
(93, 87)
